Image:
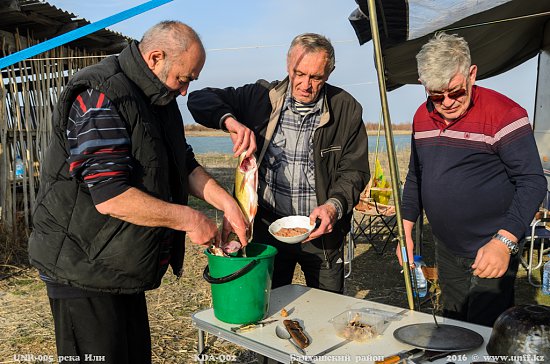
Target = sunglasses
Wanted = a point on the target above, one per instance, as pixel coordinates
(438, 98)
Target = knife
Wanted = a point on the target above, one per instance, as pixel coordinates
(248, 327)
(430, 355)
(296, 331)
(395, 358)
(334, 347)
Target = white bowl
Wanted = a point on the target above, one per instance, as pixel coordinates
(291, 222)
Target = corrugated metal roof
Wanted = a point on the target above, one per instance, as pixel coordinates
(43, 21)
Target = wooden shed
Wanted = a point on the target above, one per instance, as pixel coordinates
(29, 89)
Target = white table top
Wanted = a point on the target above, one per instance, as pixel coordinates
(313, 308)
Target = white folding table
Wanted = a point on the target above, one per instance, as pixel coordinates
(314, 308)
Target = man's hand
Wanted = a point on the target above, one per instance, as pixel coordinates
(242, 137)
(204, 231)
(327, 215)
(491, 260)
(410, 249)
(139, 208)
(409, 242)
(235, 221)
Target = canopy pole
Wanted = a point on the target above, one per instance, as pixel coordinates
(395, 181)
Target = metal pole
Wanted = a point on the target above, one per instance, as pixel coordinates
(419, 236)
(395, 183)
(200, 347)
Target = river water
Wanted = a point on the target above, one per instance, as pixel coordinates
(224, 145)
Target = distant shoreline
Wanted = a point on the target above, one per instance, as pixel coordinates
(219, 133)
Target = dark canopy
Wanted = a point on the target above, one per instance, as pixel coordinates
(404, 26)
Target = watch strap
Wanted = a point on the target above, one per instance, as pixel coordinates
(510, 244)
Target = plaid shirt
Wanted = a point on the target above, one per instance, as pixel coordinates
(287, 172)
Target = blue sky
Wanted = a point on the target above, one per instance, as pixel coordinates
(248, 39)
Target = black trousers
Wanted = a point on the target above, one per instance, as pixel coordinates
(469, 298)
(323, 266)
(110, 329)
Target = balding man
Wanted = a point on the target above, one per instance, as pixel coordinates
(112, 210)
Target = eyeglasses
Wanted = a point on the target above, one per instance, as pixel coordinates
(438, 98)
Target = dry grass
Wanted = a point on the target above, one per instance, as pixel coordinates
(13, 249)
(27, 327)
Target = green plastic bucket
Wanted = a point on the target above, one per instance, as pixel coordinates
(241, 286)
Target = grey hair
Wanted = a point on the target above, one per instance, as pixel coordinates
(312, 42)
(171, 36)
(441, 59)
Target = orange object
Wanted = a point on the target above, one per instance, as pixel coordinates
(396, 358)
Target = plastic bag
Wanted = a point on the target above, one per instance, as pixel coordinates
(380, 190)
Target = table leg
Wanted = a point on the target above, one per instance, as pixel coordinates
(200, 348)
(265, 360)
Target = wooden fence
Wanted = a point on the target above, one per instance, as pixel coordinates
(28, 93)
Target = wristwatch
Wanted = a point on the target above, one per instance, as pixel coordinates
(513, 248)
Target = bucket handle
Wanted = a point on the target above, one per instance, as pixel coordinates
(228, 278)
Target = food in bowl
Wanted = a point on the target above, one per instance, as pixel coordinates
(288, 232)
(291, 229)
(357, 330)
(357, 325)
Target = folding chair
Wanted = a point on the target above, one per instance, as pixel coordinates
(536, 237)
(372, 220)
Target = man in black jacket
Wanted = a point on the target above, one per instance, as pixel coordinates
(313, 155)
(112, 209)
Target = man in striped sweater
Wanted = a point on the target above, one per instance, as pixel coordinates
(112, 212)
(475, 170)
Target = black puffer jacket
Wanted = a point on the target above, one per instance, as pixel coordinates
(71, 241)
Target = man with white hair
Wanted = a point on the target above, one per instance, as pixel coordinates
(475, 170)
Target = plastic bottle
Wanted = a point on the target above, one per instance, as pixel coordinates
(19, 168)
(546, 278)
(421, 283)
